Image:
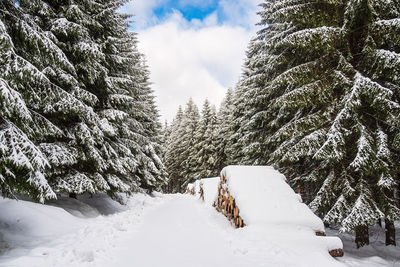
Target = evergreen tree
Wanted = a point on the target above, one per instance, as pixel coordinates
(328, 112)
(205, 147)
(30, 56)
(174, 151)
(224, 131)
(186, 133)
(246, 146)
(75, 158)
(122, 147)
(86, 118)
(128, 90)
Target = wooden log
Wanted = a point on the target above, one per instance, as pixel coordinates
(336, 253)
(320, 234)
(226, 204)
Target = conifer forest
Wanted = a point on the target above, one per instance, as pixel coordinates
(318, 99)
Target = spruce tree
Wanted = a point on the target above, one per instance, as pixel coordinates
(174, 152)
(224, 131)
(328, 113)
(123, 147)
(31, 59)
(75, 158)
(186, 137)
(205, 147)
(127, 92)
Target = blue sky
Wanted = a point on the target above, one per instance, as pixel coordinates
(194, 48)
(189, 11)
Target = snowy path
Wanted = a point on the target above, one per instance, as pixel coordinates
(176, 233)
(183, 232)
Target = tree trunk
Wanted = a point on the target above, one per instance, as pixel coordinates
(390, 233)
(362, 236)
(73, 195)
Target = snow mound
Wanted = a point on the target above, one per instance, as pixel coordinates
(263, 196)
(66, 233)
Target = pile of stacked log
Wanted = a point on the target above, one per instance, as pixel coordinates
(191, 190)
(201, 191)
(226, 204)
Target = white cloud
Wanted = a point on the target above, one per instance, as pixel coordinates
(198, 58)
(143, 12)
(239, 12)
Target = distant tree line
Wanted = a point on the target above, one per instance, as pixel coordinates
(77, 113)
(319, 99)
(195, 144)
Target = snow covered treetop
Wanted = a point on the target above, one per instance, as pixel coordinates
(264, 197)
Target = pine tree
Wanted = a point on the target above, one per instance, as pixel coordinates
(127, 92)
(186, 137)
(205, 147)
(248, 123)
(31, 56)
(328, 113)
(75, 155)
(224, 131)
(93, 115)
(174, 151)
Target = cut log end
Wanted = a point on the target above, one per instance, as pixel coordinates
(320, 234)
(336, 253)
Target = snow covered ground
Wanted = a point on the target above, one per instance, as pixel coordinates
(163, 230)
(374, 255)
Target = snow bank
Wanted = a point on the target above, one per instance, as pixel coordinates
(37, 235)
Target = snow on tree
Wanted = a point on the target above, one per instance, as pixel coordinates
(324, 106)
(187, 139)
(126, 90)
(224, 131)
(205, 143)
(32, 102)
(76, 156)
(80, 110)
(173, 154)
(244, 146)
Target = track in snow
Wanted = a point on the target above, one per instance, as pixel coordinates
(177, 233)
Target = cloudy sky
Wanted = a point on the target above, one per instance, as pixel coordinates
(194, 48)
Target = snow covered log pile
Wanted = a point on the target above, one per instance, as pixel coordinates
(191, 189)
(259, 195)
(226, 204)
(205, 189)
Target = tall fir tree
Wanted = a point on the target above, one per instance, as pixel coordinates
(22, 164)
(329, 108)
(205, 143)
(187, 131)
(86, 119)
(174, 152)
(36, 57)
(245, 146)
(75, 157)
(224, 131)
